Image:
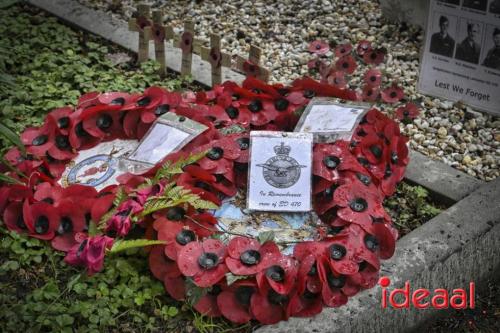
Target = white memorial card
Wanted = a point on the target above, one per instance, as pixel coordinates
(168, 134)
(461, 58)
(329, 120)
(280, 171)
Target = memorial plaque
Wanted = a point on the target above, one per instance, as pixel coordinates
(168, 134)
(330, 120)
(461, 59)
(280, 171)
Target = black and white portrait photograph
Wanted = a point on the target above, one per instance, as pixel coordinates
(452, 2)
(492, 47)
(469, 47)
(476, 4)
(494, 7)
(443, 38)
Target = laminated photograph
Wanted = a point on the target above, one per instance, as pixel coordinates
(168, 134)
(280, 171)
(461, 56)
(330, 120)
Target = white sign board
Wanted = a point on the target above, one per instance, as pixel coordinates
(461, 59)
(280, 171)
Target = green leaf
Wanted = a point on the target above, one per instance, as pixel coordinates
(8, 180)
(93, 230)
(231, 278)
(7, 3)
(193, 292)
(11, 136)
(172, 311)
(265, 236)
(120, 197)
(169, 169)
(122, 245)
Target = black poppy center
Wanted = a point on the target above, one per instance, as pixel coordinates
(232, 112)
(345, 65)
(118, 101)
(250, 257)
(373, 55)
(162, 109)
(62, 142)
(331, 162)
(202, 185)
(376, 151)
(371, 242)
(185, 236)
(337, 251)
(369, 93)
(48, 200)
(333, 230)
(362, 266)
(283, 91)
(406, 113)
(63, 122)
(393, 94)
(243, 294)
(208, 260)
(215, 153)
(42, 225)
(39, 140)
(104, 121)
(81, 248)
(313, 271)
(309, 94)
(364, 178)
(255, 106)
(66, 225)
(281, 104)
(144, 101)
(358, 205)
(244, 143)
(176, 213)
(20, 222)
(215, 290)
(275, 298)
(276, 273)
(318, 46)
(336, 281)
(80, 131)
(388, 171)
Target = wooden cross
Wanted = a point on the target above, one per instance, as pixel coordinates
(251, 66)
(159, 33)
(138, 24)
(189, 45)
(216, 58)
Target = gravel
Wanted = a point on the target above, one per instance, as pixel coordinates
(451, 132)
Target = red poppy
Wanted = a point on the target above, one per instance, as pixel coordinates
(374, 57)
(332, 283)
(41, 219)
(48, 193)
(373, 78)
(227, 113)
(207, 305)
(329, 159)
(203, 187)
(337, 79)
(24, 164)
(346, 64)
(280, 274)
(311, 88)
(186, 42)
(367, 276)
(408, 112)
(14, 218)
(79, 138)
(269, 307)
(71, 221)
(175, 287)
(220, 155)
(246, 256)
(357, 204)
(319, 47)
(162, 267)
(103, 124)
(370, 94)
(307, 304)
(38, 140)
(141, 22)
(203, 261)
(175, 235)
(158, 32)
(343, 50)
(60, 117)
(363, 47)
(393, 94)
(161, 103)
(90, 253)
(373, 148)
(234, 302)
(313, 64)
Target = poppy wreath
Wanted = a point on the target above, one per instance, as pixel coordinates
(237, 277)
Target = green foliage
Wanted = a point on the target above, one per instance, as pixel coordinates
(122, 245)
(410, 207)
(169, 169)
(175, 196)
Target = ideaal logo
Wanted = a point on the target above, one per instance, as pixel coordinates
(422, 298)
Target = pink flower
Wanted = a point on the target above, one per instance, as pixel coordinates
(89, 253)
(373, 78)
(393, 94)
(319, 47)
(343, 50)
(408, 112)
